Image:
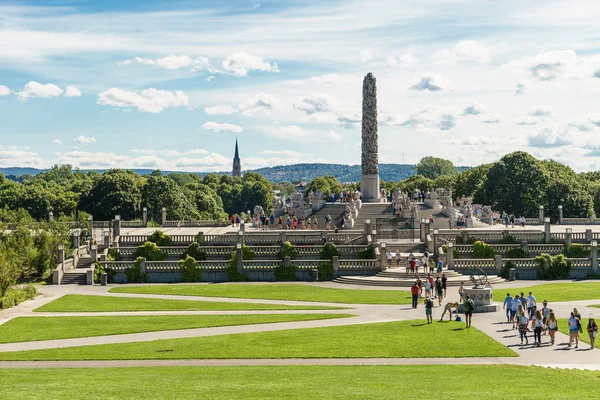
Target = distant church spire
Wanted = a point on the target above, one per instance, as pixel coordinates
(237, 166)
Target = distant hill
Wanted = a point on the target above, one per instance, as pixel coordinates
(282, 173)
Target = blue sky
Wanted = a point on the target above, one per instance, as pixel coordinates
(171, 84)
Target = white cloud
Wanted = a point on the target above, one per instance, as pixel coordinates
(149, 100)
(262, 102)
(595, 119)
(328, 79)
(13, 156)
(465, 50)
(87, 159)
(313, 104)
(471, 141)
(428, 117)
(493, 119)
(174, 62)
(432, 83)
(333, 135)
(72, 91)
(287, 153)
(220, 110)
(210, 78)
(241, 63)
(57, 141)
(4, 90)
(168, 153)
(196, 152)
(520, 89)
(221, 127)
(85, 139)
(541, 111)
(546, 66)
(474, 108)
(550, 137)
(447, 122)
(581, 124)
(35, 89)
(212, 162)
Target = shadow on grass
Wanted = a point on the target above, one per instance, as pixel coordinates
(417, 325)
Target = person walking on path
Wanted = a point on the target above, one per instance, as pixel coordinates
(506, 306)
(414, 290)
(592, 330)
(469, 308)
(523, 323)
(427, 289)
(514, 306)
(531, 304)
(574, 326)
(439, 290)
(545, 313)
(429, 310)
(444, 285)
(440, 265)
(431, 284)
(461, 291)
(578, 316)
(523, 300)
(420, 285)
(537, 325)
(552, 324)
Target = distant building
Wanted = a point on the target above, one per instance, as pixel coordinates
(237, 166)
(300, 186)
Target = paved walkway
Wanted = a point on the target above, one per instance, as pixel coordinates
(493, 324)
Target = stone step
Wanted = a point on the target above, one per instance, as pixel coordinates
(378, 281)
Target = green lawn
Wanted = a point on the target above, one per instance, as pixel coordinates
(277, 292)
(26, 329)
(386, 340)
(555, 292)
(82, 303)
(491, 382)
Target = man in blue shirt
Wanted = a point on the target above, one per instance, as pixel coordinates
(440, 265)
(507, 305)
(514, 306)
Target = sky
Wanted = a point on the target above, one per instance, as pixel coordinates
(171, 84)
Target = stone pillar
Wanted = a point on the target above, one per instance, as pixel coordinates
(91, 227)
(369, 183)
(164, 216)
(367, 227)
(335, 260)
(282, 237)
(594, 256)
(374, 236)
(465, 236)
(588, 235)
(560, 215)
(145, 216)
(94, 252)
(541, 216)
(200, 238)
(547, 236)
(61, 253)
(106, 243)
(240, 262)
(89, 277)
(383, 256)
(241, 238)
(505, 234)
(569, 237)
(450, 255)
(50, 217)
(117, 226)
(143, 266)
(286, 261)
(76, 242)
(422, 232)
(525, 246)
(436, 251)
(243, 226)
(498, 261)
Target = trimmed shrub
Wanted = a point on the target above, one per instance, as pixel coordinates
(517, 252)
(288, 250)
(160, 238)
(549, 267)
(368, 253)
(283, 273)
(506, 269)
(328, 251)
(190, 271)
(194, 251)
(99, 270)
(133, 273)
(508, 240)
(150, 252)
(232, 273)
(576, 250)
(483, 250)
(13, 296)
(455, 253)
(325, 271)
(113, 255)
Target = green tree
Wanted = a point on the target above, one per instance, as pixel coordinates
(326, 184)
(432, 167)
(159, 192)
(116, 192)
(470, 181)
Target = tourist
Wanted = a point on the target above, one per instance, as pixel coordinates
(545, 313)
(315, 223)
(427, 289)
(232, 220)
(308, 223)
(272, 220)
(506, 306)
(592, 330)
(531, 304)
(450, 223)
(574, 327)
(523, 300)
(411, 265)
(469, 308)
(439, 291)
(444, 284)
(537, 324)
(420, 285)
(440, 265)
(461, 291)
(512, 220)
(425, 263)
(450, 307)
(417, 265)
(323, 239)
(414, 290)
(516, 302)
(327, 222)
(397, 258)
(522, 221)
(388, 255)
(430, 280)
(552, 325)
(523, 322)
(237, 221)
(428, 310)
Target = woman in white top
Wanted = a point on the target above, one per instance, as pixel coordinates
(523, 322)
(537, 324)
(552, 324)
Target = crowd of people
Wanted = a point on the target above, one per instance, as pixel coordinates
(291, 222)
(526, 316)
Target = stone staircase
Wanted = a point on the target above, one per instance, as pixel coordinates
(397, 277)
(78, 276)
(335, 210)
(372, 211)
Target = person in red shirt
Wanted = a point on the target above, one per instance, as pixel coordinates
(415, 294)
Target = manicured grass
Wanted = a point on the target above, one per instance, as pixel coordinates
(26, 329)
(82, 303)
(556, 292)
(277, 292)
(386, 340)
(301, 382)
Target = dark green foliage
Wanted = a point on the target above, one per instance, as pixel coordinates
(194, 251)
(133, 273)
(159, 192)
(160, 238)
(455, 253)
(99, 270)
(549, 267)
(433, 167)
(483, 250)
(190, 271)
(288, 250)
(459, 240)
(232, 273)
(508, 265)
(368, 253)
(576, 250)
(113, 255)
(16, 295)
(325, 271)
(508, 240)
(328, 251)
(470, 181)
(286, 274)
(326, 184)
(150, 251)
(517, 252)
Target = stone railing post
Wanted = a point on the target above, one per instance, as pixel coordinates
(76, 242)
(335, 260)
(164, 216)
(50, 217)
(498, 262)
(436, 251)
(143, 266)
(91, 228)
(89, 277)
(383, 256)
(200, 237)
(145, 216)
(541, 216)
(94, 252)
(241, 238)
(106, 243)
(374, 236)
(422, 232)
(61, 254)
(450, 255)
(525, 246)
(465, 236)
(588, 235)
(286, 261)
(367, 227)
(282, 237)
(560, 215)
(117, 226)
(547, 235)
(240, 262)
(594, 256)
(243, 226)
(568, 237)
